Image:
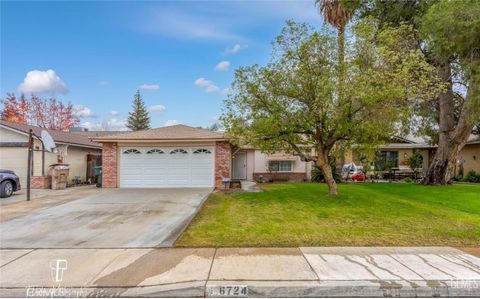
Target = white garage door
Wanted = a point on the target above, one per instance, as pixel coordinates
(156, 167)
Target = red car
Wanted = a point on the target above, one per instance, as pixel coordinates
(359, 176)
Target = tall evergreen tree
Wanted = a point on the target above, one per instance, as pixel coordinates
(138, 119)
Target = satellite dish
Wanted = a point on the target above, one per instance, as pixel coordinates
(48, 142)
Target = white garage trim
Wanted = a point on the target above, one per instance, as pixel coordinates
(163, 167)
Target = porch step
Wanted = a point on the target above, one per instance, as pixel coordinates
(235, 184)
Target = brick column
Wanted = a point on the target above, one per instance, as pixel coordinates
(109, 165)
(223, 162)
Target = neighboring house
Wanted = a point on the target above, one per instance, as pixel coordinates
(183, 156)
(469, 157)
(399, 150)
(77, 150)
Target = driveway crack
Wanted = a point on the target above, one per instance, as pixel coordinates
(17, 258)
(209, 272)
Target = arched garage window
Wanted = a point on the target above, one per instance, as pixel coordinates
(179, 151)
(132, 151)
(202, 151)
(155, 151)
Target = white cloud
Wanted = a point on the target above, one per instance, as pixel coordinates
(221, 20)
(42, 82)
(83, 112)
(112, 124)
(113, 113)
(150, 87)
(103, 83)
(223, 66)
(226, 91)
(234, 49)
(212, 88)
(171, 122)
(187, 25)
(156, 108)
(208, 85)
(115, 124)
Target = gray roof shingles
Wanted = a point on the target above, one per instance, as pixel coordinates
(176, 132)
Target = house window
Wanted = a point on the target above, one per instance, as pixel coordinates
(179, 151)
(155, 151)
(280, 166)
(386, 160)
(202, 151)
(132, 151)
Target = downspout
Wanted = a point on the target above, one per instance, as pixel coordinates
(43, 159)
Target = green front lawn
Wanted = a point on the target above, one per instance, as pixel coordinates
(301, 214)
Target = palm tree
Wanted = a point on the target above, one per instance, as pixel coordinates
(338, 16)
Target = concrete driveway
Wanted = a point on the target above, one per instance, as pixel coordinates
(17, 205)
(112, 218)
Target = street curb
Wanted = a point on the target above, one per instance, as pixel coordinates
(286, 289)
(335, 288)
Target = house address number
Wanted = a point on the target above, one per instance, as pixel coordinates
(229, 291)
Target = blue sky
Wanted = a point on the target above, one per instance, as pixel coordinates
(180, 54)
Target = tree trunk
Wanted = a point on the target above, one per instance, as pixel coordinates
(324, 166)
(440, 171)
(341, 62)
(451, 137)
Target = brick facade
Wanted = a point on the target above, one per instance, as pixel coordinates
(41, 182)
(281, 176)
(223, 162)
(109, 165)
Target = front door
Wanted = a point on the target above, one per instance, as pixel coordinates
(240, 166)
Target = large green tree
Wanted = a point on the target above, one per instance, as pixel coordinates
(451, 30)
(292, 103)
(138, 118)
(448, 34)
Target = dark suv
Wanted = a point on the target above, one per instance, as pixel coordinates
(9, 182)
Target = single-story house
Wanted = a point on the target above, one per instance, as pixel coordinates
(183, 156)
(74, 149)
(469, 157)
(399, 150)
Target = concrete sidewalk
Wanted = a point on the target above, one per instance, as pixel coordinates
(241, 272)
